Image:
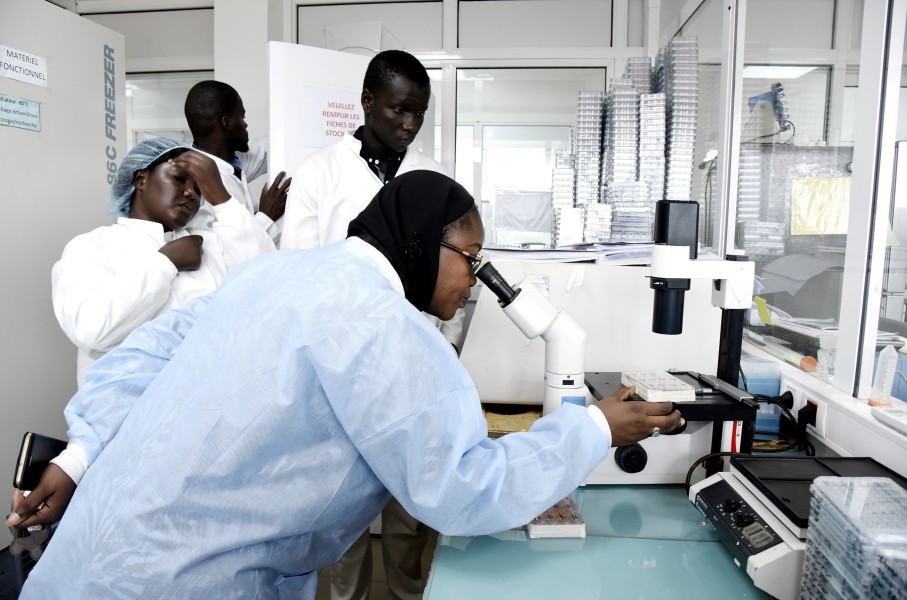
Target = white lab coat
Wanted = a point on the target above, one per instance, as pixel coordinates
(254, 164)
(330, 188)
(113, 279)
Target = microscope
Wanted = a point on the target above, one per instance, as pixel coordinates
(721, 412)
(675, 261)
(565, 341)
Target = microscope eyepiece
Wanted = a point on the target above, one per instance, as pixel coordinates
(489, 276)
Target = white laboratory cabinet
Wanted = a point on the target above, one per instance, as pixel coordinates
(62, 129)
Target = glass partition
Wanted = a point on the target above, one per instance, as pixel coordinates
(817, 162)
(794, 175)
(705, 25)
(510, 124)
(154, 105)
(892, 315)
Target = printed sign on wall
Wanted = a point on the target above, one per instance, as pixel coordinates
(22, 66)
(16, 112)
(332, 114)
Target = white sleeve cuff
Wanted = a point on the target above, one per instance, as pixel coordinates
(264, 220)
(599, 417)
(230, 204)
(74, 460)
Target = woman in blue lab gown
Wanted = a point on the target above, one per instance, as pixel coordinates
(242, 442)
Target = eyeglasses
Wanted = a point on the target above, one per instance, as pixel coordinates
(475, 260)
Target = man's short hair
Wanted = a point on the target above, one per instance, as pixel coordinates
(386, 65)
(206, 103)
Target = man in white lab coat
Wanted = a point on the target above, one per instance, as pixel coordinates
(332, 187)
(216, 117)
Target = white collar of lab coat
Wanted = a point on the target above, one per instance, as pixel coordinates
(384, 265)
(225, 168)
(150, 228)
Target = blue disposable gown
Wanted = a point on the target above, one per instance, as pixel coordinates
(254, 433)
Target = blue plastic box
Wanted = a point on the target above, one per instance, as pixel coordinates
(763, 376)
(769, 423)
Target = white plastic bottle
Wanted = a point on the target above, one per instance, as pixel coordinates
(828, 350)
(883, 381)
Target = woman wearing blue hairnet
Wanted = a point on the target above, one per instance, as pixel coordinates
(116, 277)
(235, 456)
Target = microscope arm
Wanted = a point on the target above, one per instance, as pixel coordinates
(734, 289)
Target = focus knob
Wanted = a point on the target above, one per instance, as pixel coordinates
(632, 458)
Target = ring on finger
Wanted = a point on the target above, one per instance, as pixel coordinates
(655, 432)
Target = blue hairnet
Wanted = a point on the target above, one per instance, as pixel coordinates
(120, 199)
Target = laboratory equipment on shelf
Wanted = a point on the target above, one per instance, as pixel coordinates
(761, 507)
(565, 341)
(766, 111)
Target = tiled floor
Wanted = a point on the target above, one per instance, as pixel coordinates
(379, 581)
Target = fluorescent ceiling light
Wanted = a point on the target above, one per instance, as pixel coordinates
(774, 71)
(473, 76)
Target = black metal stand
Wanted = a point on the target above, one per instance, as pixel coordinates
(729, 351)
(730, 346)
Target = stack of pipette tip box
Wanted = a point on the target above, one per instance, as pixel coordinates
(856, 545)
(597, 223)
(677, 74)
(566, 219)
(588, 146)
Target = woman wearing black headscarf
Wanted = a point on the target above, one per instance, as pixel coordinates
(406, 222)
(266, 446)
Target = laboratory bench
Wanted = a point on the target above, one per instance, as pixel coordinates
(642, 541)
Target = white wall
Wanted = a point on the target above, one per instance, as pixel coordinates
(541, 24)
(53, 187)
(164, 40)
(241, 57)
(412, 24)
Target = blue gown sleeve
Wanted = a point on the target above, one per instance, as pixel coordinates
(119, 378)
(416, 419)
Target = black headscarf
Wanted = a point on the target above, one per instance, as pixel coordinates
(404, 222)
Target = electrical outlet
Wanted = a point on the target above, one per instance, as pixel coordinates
(820, 417)
(798, 393)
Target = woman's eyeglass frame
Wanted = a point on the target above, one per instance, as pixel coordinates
(474, 260)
